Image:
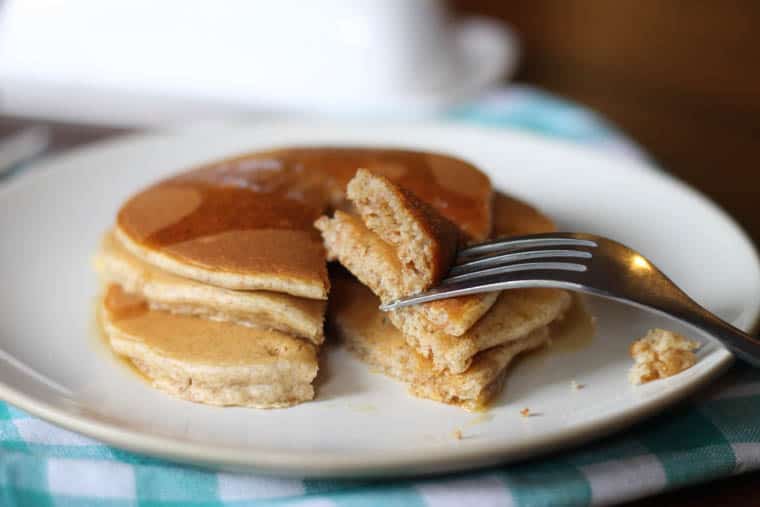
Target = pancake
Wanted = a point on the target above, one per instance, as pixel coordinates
(397, 246)
(376, 264)
(210, 362)
(246, 223)
(370, 335)
(424, 241)
(164, 291)
(516, 313)
(481, 321)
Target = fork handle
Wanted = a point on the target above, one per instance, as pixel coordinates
(743, 345)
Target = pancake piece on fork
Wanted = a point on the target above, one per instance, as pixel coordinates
(400, 245)
(424, 242)
(380, 247)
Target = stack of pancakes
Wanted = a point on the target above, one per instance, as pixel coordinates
(456, 350)
(216, 280)
(208, 343)
(216, 284)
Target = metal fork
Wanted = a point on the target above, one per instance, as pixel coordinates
(584, 263)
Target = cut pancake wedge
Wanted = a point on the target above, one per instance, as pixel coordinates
(367, 332)
(400, 245)
(515, 314)
(423, 241)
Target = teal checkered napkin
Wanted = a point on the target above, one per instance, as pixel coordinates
(713, 436)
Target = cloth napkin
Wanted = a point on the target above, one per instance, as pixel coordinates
(714, 435)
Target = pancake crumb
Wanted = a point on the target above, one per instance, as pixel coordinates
(661, 354)
(576, 386)
(458, 434)
(525, 412)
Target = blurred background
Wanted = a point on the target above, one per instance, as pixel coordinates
(680, 78)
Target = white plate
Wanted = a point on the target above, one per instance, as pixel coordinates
(361, 423)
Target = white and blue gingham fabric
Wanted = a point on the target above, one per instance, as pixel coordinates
(714, 435)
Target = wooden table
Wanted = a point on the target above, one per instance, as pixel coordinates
(736, 491)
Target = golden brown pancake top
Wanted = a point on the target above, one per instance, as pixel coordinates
(254, 213)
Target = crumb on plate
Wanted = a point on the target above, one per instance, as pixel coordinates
(458, 434)
(576, 386)
(661, 354)
(525, 412)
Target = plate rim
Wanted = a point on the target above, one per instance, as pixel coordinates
(331, 464)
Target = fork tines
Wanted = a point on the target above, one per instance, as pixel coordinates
(511, 255)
